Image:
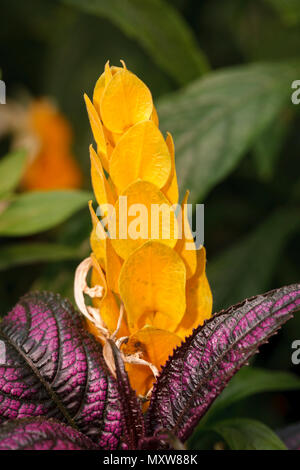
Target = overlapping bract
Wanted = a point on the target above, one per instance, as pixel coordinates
(161, 283)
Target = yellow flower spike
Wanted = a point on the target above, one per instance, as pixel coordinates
(113, 267)
(126, 101)
(97, 238)
(104, 158)
(113, 138)
(152, 283)
(185, 245)
(102, 188)
(199, 298)
(144, 218)
(107, 304)
(141, 379)
(110, 145)
(98, 92)
(96, 127)
(153, 345)
(107, 73)
(140, 154)
(151, 277)
(171, 187)
(154, 117)
(112, 188)
(100, 87)
(123, 63)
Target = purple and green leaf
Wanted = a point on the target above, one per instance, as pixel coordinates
(133, 424)
(202, 366)
(50, 367)
(42, 434)
(55, 369)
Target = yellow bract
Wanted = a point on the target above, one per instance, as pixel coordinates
(142, 154)
(143, 213)
(100, 86)
(107, 304)
(152, 341)
(146, 269)
(152, 287)
(96, 126)
(171, 187)
(113, 264)
(102, 189)
(125, 101)
(154, 117)
(97, 238)
(156, 345)
(198, 298)
(185, 245)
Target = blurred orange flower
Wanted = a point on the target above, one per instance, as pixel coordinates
(46, 134)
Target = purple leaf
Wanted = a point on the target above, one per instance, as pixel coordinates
(163, 441)
(42, 434)
(132, 417)
(291, 436)
(54, 368)
(201, 367)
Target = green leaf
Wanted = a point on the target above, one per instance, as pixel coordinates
(217, 119)
(37, 211)
(247, 382)
(246, 268)
(289, 10)
(159, 28)
(251, 381)
(11, 170)
(29, 253)
(248, 434)
(268, 146)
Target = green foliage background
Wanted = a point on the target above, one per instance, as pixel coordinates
(220, 74)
